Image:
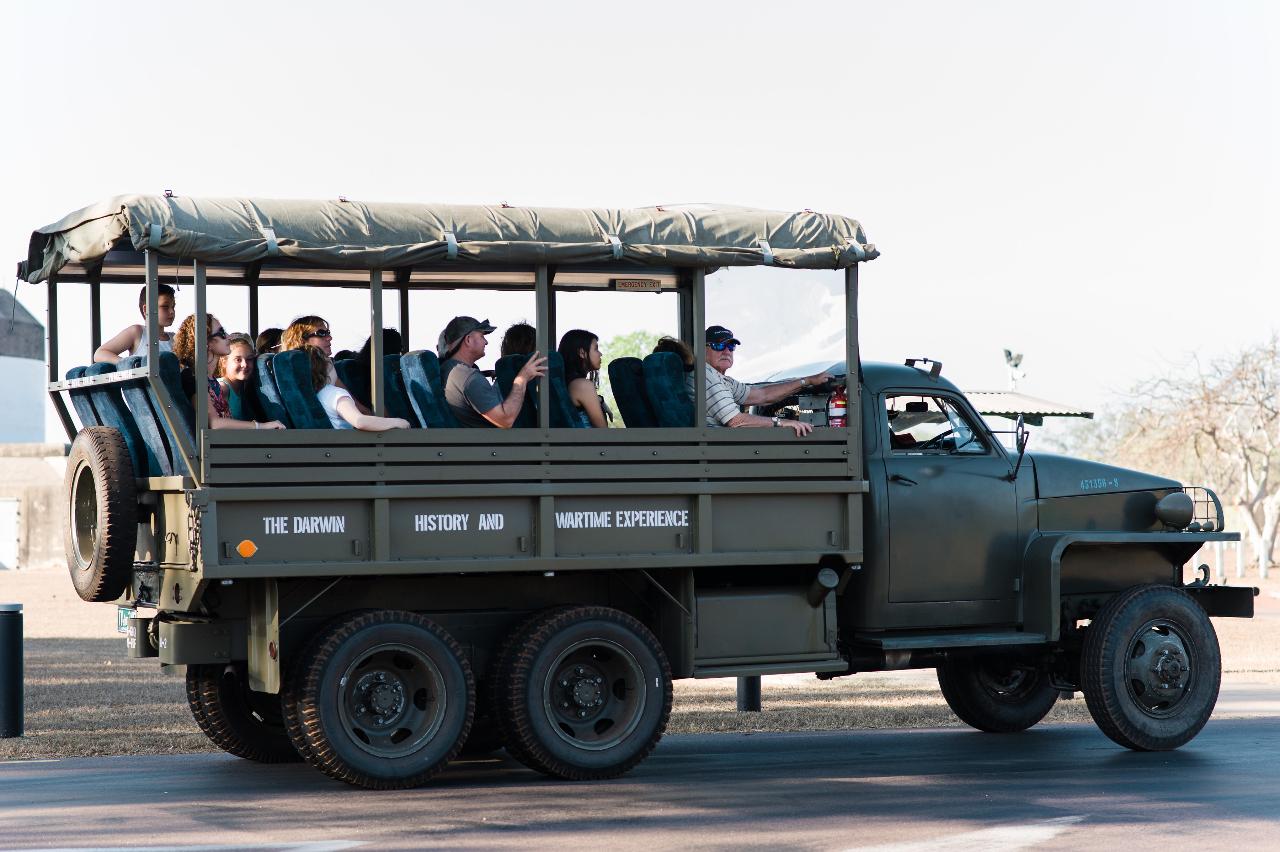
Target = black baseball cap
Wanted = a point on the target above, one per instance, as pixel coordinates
(720, 334)
(458, 328)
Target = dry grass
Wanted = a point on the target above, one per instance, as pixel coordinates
(84, 697)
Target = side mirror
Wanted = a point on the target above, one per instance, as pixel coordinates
(1020, 438)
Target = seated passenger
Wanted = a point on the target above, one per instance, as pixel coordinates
(337, 401)
(236, 368)
(184, 346)
(679, 347)
(268, 341)
(312, 330)
(134, 338)
(580, 351)
(473, 399)
(520, 339)
(726, 396)
(392, 344)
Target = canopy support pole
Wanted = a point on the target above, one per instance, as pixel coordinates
(377, 394)
(546, 316)
(853, 372)
(51, 337)
(251, 274)
(177, 429)
(699, 346)
(201, 360)
(95, 310)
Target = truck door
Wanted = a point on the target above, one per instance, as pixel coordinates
(953, 527)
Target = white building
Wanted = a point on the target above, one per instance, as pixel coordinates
(22, 377)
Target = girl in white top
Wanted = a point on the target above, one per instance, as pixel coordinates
(134, 338)
(337, 402)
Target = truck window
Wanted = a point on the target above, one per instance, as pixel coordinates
(930, 424)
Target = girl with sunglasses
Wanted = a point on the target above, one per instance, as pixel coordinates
(184, 346)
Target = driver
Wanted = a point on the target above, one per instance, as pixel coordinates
(726, 396)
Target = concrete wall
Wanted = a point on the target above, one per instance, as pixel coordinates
(31, 483)
(22, 400)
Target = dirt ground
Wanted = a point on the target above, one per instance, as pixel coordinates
(84, 697)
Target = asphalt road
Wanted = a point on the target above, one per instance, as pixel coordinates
(1062, 786)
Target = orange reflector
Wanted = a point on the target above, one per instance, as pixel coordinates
(246, 548)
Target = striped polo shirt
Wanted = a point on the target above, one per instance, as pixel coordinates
(725, 396)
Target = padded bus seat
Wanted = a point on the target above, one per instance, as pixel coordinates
(626, 378)
(171, 378)
(142, 404)
(81, 403)
(562, 413)
(355, 380)
(397, 403)
(504, 374)
(421, 371)
(665, 386)
(110, 406)
(292, 372)
(269, 399)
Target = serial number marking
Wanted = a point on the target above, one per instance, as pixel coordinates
(1099, 483)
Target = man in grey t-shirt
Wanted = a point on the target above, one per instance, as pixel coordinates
(473, 399)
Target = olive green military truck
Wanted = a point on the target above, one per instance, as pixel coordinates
(375, 602)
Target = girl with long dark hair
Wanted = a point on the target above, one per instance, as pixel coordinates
(581, 353)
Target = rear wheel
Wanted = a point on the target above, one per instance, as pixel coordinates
(1151, 668)
(383, 700)
(996, 694)
(102, 522)
(236, 719)
(583, 693)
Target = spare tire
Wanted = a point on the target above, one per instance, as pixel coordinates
(102, 516)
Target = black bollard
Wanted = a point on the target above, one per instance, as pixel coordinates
(10, 670)
(749, 693)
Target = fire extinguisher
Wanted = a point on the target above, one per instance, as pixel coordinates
(838, 408)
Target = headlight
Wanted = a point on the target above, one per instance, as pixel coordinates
(1176, 510)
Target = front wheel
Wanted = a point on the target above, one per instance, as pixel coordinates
(996, 695)
(583, 693)
(1151, 668)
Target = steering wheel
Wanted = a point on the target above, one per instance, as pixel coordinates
(934, 442)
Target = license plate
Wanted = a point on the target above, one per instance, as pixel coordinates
(123, 614)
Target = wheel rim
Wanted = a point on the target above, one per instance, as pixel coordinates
(392, 700)
(594, 694)
(1159, 671)
(84, 516)
(1010, 684)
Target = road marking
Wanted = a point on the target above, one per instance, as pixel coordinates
(1005, 838)
(306, 846)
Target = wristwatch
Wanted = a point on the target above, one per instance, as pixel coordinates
(777, 421)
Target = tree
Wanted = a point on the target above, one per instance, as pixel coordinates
(1218, 424)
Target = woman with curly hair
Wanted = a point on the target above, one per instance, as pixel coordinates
(184, 346)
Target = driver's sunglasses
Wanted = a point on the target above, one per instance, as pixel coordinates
(322, 333)
(720, 347)
(222, 333)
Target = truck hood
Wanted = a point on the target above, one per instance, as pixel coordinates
(1063, 476)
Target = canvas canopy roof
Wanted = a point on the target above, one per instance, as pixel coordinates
(358, 235)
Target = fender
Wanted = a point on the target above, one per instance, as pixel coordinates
(1040, 604)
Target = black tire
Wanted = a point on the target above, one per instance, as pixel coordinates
(583, 693)
(102, 516)
(236, 719)
(996, 694)
(1151, 668)
(385, 699)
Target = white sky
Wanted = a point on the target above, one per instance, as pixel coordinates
(1095, 185)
